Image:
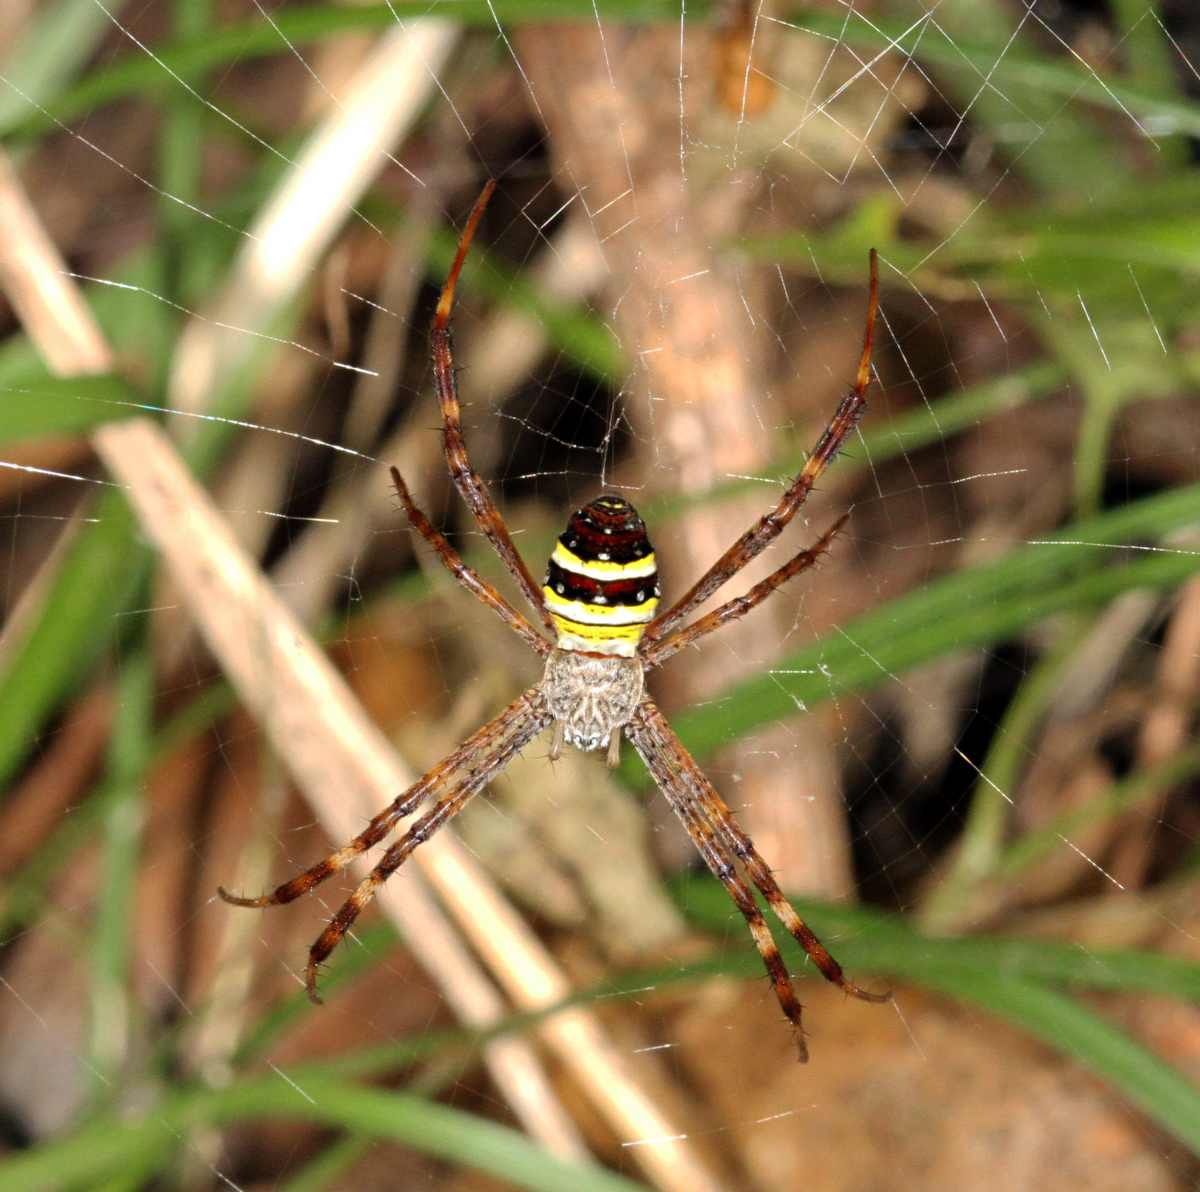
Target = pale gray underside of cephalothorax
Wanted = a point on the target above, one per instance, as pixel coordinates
(591, 697)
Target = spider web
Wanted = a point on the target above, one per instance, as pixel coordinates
(976, 711)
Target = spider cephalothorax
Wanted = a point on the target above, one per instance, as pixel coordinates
(599, 603)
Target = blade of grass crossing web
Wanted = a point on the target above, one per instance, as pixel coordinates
(1151, 61)
(181, 142)
(1008, 978)
(1080, 567)
(106, 1147)
(76, 623)
(59, 39)
(102, 570)
(52, 406)
(26, 889)
(873, 941)
(1130, 792)
(1018, 70)
(330, 1166)
(978, 850)
(135, 74)
(1163, 1094)
(120, 841)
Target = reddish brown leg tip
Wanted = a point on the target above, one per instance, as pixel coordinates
(866, 995)
(238, 900)
(801, 1049)
(442, 318)
(310, 985)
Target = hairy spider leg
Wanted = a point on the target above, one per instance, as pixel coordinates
(479, 742)
(468, 482)
(658, 652)
(511, 731)
(772, 524)
(716, 856)
(706, 816)
(464, 573)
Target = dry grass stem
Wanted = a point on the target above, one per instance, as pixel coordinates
(59, 321)
(347, 770)
(297, 223)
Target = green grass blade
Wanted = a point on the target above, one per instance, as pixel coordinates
(1017, 71)
(54, 406)
(135, 74)
(977, 851)
(101, 570)
(570, 327)
(426, 1126)
(330, 1165)
(1006, 977)
(1031, 126)
(51, 49)
(1075, 568)
(1163, 1094)
(867, 940)
(1138, 788)
(121, 831)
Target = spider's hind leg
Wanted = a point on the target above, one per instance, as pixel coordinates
(706, 839)
(759, 872)
(337, 860)
(446, 808)
(723, 845)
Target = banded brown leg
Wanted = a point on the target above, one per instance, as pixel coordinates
(772, 524)
(479, 743)
(671, 781)
(492, 759)
(708, 819)
(466, 575)
(468, 482)
(656, 653)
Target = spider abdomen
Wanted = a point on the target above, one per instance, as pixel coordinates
(601, 584)
(591, 695)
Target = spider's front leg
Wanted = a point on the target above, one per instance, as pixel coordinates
(467, 481)
(772, 524)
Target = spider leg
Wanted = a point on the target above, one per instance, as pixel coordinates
(523, 720)
(707, 817)
(667, 773)
(452, 802)
(466, 575)
(479, 743)
(732, 610)
(722, 867)
(771, 525)
(468, 482)
(760, 874)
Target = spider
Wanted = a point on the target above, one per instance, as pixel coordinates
(599, 603)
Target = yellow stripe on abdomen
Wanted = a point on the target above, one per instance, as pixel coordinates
(601, 585)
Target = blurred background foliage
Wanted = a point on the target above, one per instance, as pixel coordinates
(1009, 652)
